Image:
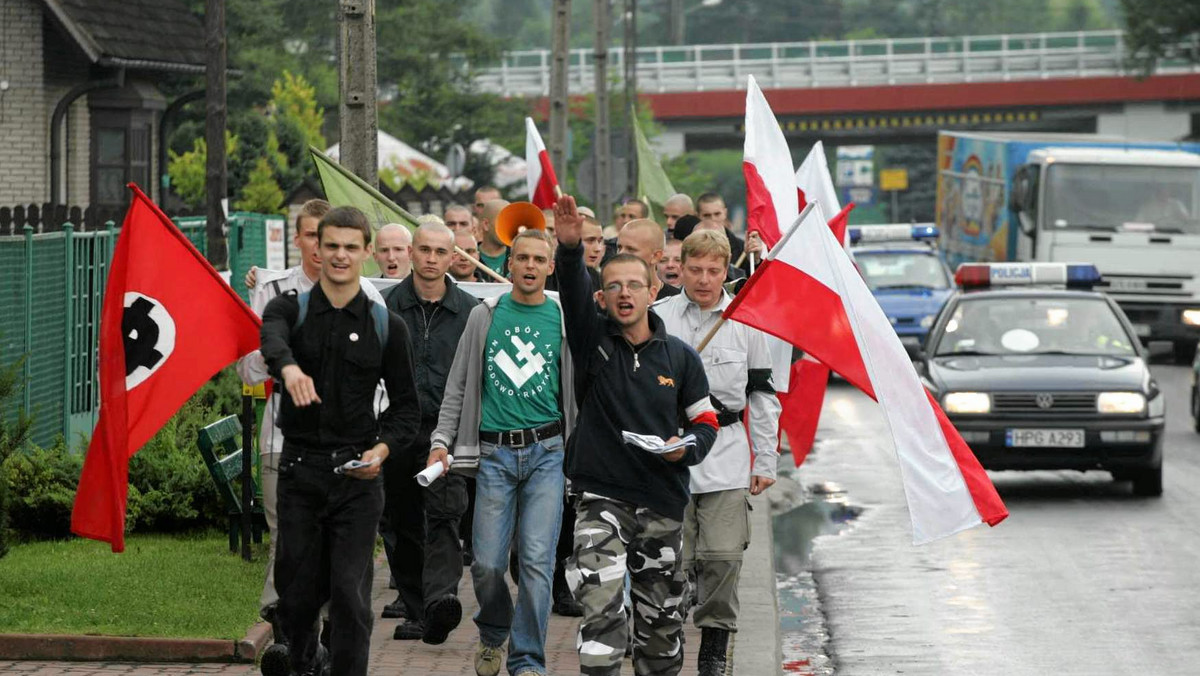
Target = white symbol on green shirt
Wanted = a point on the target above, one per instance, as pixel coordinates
(519, 375)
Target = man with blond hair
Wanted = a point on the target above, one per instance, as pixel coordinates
(737, 362)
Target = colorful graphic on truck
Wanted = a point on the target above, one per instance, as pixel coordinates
(972, 200)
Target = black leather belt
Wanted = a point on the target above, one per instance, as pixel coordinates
(727, 418)
(322, 459)
(522, 438)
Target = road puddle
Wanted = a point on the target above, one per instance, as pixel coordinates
(824, 510)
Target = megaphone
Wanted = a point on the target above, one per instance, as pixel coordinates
(517, 217)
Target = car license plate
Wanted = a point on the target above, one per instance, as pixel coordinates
(1142, 330)
(1023, 438)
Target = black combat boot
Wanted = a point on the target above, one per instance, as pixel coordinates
(714, 644)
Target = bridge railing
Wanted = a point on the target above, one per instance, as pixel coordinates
(835, 63)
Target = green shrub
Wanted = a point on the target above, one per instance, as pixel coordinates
(170, 489)
(13, 436)
(42, 483)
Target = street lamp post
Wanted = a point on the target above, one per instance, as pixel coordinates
(677, 18)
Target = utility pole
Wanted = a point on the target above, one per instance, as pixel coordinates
(358, 120)
(214, 129)
(603, 142)
(558, 87)
(675, 21)
(630, 62)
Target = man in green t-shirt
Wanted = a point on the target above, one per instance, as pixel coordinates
(507, 407)
(492, 251)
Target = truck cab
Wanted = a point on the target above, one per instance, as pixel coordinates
(1135, 214)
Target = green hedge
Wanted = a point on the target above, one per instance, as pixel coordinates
(170, 490)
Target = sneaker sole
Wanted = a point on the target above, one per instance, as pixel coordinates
(441, 619)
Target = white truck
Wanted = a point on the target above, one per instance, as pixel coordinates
(1132, 208)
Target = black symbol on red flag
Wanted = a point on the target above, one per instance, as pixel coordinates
(149, 336)
(141, 335)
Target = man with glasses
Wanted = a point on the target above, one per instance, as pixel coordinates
(636, 378)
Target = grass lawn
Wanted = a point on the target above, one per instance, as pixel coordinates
(186, 586)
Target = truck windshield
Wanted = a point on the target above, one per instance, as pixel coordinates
(884, 270)
(1117, 197)
(1051, 325)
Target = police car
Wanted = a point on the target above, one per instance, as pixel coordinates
(1037, 371)
(906, 274)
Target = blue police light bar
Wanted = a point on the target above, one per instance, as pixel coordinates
(892, 233)
(984, 275)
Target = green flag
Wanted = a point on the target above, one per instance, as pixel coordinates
(345, 189)
(653, 184)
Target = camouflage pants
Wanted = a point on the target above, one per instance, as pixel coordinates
(611, 538)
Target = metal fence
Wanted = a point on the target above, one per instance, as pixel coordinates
(840, 63)
(51, 292)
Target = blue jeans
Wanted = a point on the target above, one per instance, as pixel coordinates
(521, 490)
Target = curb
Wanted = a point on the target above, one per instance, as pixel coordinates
(134, 649)
(758, 650)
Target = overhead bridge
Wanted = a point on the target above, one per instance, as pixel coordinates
(864, 89)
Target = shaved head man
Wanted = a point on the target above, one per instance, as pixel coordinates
(629, 211)
(484, 195)
(462, 269)
(492, 252)
(644, 238)
(677, 206)
(393, 251)
(458, 217)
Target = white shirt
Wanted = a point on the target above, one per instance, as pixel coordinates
(728, 358)
(252, 368)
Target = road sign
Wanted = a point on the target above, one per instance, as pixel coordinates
(893, 179)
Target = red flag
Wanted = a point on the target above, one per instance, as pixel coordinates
(168, 324)
(539, 173)
(808, 292)
(806, 391)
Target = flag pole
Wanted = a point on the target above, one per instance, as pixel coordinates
(486, 270)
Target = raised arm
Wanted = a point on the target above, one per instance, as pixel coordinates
(574, 285)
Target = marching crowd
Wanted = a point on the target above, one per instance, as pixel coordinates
(523, 399)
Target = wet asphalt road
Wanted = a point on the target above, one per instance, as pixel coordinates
(1083, 578)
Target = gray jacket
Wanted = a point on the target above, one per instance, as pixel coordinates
(462, 404)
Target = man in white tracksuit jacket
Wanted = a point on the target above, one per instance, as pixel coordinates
(737, 362)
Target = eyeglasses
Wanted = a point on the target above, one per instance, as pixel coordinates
(632, 287)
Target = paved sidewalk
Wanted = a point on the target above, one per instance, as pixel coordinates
(756, 654)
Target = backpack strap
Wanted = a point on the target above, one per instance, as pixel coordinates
(379, 314)
(302, 301)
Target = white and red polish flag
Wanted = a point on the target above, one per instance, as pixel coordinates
(815, 184)
(771, 196)
(802, 402)
(539, 173)
(808, 293)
